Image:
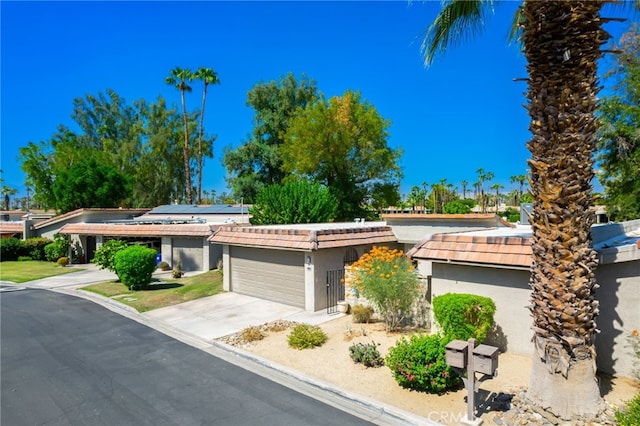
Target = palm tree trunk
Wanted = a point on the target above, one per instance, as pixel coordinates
(562, 45)
(187, 171)
(200, 131)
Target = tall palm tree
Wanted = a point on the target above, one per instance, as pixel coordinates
(208, 76)
(178, 78)
(464, 184)
(497, 187)
(562, 43)
(520, 180)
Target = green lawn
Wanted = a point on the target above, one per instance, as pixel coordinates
(162, 293)
(29, 270)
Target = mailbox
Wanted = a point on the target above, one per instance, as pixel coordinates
(456, 353)
(485, 359)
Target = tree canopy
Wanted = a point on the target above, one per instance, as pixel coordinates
(140, 140)
(294, 202)
(341, 143)
(257, 162)
(619, 142)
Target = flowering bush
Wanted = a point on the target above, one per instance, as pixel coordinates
(387, 279)
(634, 343)
(419, 363)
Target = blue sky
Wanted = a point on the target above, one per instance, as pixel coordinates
(463, 113)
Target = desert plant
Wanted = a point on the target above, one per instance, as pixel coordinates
(366, 354)
(251, 334)
(104, 256)
(464, 316)
(134, 266)
(35, 248)
(306, 336)
(419, 363)
(177, 271)
(362, 313)
(63, 261)
(12, 249)
(164, 266)
(387, 279)
(631, 415)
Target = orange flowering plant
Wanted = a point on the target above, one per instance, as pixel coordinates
(387, 278)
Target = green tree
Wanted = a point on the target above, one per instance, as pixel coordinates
(619, 136)
(257, 162)
(89, 184)
(383, 194)
(520, 180)
(208, 76)
(179, 77)
(294, 202)
(341, 143)
(456, 207)
(561, 42)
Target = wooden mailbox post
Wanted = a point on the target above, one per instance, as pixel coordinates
(482, 359)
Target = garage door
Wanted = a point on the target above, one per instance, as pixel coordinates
(189, 252)
(275, 275)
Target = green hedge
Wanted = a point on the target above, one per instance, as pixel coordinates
(12, 249)
(134, 266)
(464, 316)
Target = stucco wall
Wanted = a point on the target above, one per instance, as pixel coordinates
(509, 290)
(619, 296)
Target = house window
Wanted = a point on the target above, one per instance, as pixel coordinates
(350, 256)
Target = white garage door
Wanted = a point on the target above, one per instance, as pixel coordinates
(189, 252)
(275, 275)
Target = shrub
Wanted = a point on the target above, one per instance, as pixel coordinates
(134, 266)
(24, 258)
(177, 271)
(305, 336)
(35, 248)
(63, 261)
(104, 256)
(57, 249)
(251, 334)
(12, 249)
(420, 364)
(388, 280)
(362, 313)
(464, 316)
(366, 354)
(630, 416)
(164, 266)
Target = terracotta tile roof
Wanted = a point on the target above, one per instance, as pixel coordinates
(494, 250)
(302, 239)
(13, 227)
(134, 230)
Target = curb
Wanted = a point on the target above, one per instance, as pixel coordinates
(360, 406)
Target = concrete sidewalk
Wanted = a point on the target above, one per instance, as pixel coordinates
(198, 323)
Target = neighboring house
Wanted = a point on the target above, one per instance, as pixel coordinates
(496, 263)
(209, 213)
(293, 264)
(18, 224)
(410, 229)
(185, 242)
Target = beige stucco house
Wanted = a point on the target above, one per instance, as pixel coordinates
(495, 263)
(292, 264)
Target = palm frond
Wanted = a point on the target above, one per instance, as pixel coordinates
(458, 20)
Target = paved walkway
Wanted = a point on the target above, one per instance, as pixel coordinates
(199, 322)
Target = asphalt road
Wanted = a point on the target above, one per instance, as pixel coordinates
(68, 361)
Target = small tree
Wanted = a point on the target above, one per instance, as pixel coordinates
(294, 202)
(387, 278)
(104, 256)
(134, 266)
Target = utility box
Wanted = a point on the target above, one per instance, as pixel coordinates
(456, 353)
(485, 359)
